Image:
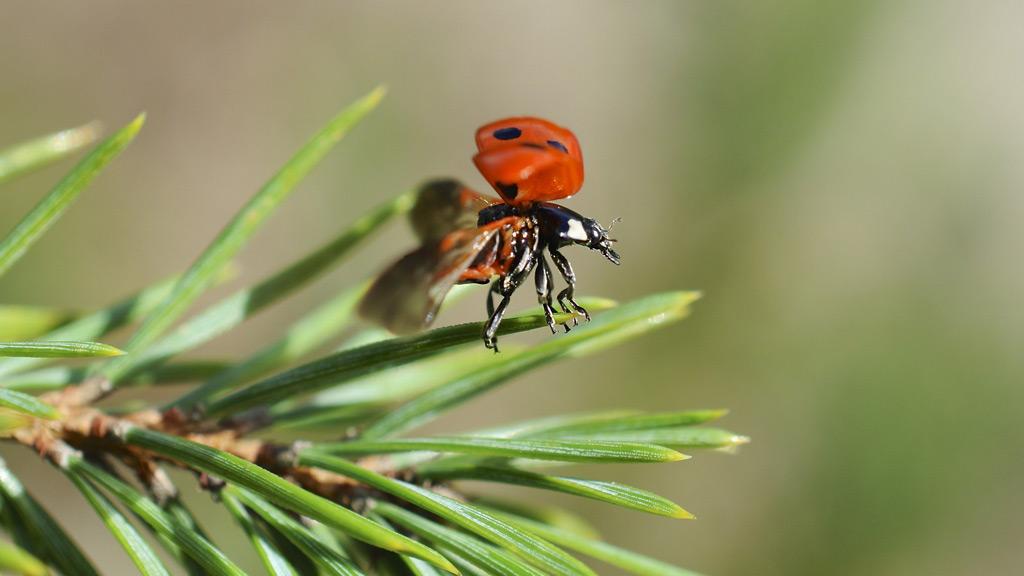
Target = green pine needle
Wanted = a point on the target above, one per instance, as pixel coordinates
(27, 322)
(34, 154)
(608, 423)
(57, 377)
(279, 491)
(415, 566)
(53, 542)
(629, 561)
(242, 227)
(51, 207)
(352, 363)
(488, 559)
(619, 323)
(26, 404)
(533, 550)
(163, 523)
(58, 349)
(546, 514)
(97, 323)
(557, 450)
(610, 492)
(683, 437)
(138, 550)
(326, 558)
(273, 561)
(235, 309)
(15, 560)
(303, 337)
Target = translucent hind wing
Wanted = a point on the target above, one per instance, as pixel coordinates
(443, 206)
(406, 296)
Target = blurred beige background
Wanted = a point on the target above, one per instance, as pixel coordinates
(842, 180)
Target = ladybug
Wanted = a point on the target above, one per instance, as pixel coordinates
(466, 237)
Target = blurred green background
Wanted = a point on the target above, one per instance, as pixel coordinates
(837, 177)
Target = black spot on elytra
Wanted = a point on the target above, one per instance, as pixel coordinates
(510, 191)
(510, 133)
(558, 146)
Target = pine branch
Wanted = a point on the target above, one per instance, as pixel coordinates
(306, 453)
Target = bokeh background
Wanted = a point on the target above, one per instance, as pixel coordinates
(841, 179)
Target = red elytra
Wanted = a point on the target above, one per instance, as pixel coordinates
(529, 160)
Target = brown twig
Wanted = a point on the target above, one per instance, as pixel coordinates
(90, 431)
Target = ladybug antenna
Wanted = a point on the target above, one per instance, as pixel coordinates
(611, 225)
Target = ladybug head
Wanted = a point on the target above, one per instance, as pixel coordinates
(598, 239)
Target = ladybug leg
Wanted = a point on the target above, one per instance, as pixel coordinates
(568, 295)
(544, 281)
(493, 321)
(506, 286)
(494, 289)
